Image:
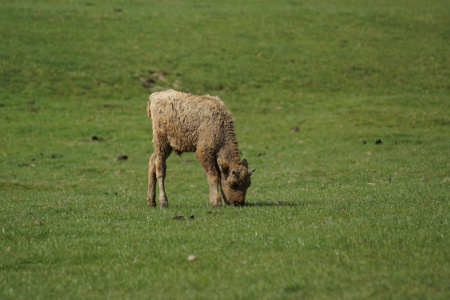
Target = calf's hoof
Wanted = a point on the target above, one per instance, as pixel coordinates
(151, 203)
(163, 203)
(216, 204)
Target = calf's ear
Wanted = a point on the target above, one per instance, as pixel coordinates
(244, 163)
(223, 166)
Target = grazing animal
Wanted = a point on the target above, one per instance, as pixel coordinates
(184, 122)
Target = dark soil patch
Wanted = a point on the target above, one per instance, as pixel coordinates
(122, 157)
(96, 138)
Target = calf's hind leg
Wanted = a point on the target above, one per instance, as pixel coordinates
(151, 194)
(162, 153)
(157, 172)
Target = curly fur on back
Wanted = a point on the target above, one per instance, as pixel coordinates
(188, 120)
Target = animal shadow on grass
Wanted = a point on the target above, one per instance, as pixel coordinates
(273, 203)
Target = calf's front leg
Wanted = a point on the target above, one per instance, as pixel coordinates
(214, 196)
(212, 175)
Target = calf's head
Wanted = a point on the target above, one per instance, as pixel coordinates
(235, 180)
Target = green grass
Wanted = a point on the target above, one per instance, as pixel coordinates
(331, 214)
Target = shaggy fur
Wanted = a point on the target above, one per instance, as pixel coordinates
(202, 124)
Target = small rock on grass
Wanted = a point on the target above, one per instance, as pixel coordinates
(192, 257)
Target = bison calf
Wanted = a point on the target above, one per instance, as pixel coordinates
(202, 124)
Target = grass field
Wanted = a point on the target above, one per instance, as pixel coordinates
(342, 107)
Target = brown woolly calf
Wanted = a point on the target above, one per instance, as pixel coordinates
(202, 124)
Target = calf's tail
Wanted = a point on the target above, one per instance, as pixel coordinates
(149, 113)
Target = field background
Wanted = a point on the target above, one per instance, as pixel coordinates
(312, 85)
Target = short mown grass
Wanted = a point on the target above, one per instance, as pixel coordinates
(341, 106)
